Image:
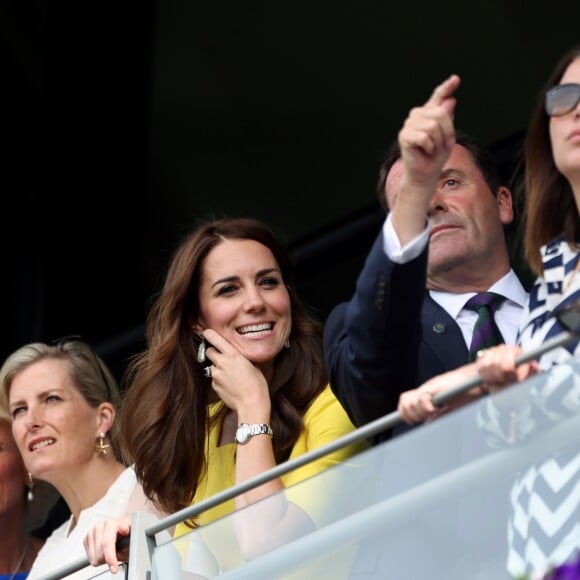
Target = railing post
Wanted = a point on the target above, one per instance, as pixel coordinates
(141, 547)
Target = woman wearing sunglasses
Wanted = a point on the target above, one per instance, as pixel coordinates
(63, 403)
(539, 537)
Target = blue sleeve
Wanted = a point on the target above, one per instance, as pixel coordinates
(371, 343)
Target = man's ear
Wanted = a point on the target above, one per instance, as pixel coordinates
(505, 205)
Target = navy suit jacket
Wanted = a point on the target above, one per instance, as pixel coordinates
(391, 337)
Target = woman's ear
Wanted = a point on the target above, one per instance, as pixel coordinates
(198, 328)
(106, 417)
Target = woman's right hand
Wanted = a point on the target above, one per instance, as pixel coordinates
(239, 383)
(101, 542)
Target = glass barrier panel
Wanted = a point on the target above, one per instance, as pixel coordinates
(491, 490)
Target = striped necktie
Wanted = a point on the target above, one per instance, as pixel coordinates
(485, 332)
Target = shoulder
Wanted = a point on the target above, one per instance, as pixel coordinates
(324, 422)
(116, 502)
(559, 261)
(52, 547)
(555, 251)
(325, 404)
(324, 399)
(58, 534)
(125, 482)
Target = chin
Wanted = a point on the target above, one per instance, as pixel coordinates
(443, 253)
(43, 469)
(262, 358)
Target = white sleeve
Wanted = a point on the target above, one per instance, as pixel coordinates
(392, 245)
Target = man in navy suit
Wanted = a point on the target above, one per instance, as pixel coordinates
(442, 242)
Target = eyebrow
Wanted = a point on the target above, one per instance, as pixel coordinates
(39, 395)
(259, 274)
(450, 171)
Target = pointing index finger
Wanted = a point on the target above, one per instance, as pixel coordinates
(444, 91)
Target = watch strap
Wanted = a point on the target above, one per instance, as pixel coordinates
(260, 429)
(246, 431)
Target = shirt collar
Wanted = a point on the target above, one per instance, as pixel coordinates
(508, 286)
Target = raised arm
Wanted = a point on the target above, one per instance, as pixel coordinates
(244, 390)
(371, 343)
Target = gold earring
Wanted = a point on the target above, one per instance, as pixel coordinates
(101, 445)
(30, 494)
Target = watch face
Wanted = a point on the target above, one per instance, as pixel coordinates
(243, 434)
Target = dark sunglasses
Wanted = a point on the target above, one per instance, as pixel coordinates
(562, 99)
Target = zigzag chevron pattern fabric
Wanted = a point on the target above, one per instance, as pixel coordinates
(544, 526)
(544, 523)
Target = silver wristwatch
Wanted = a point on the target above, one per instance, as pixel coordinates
(246, 431)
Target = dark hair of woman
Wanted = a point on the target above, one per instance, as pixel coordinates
(549, 205)
(165, 411)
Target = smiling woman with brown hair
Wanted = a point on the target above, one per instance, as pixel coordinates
(231, 384)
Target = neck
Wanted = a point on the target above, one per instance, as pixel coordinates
(84, 486)
(575, 185)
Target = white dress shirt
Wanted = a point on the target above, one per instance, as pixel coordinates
(507, 316)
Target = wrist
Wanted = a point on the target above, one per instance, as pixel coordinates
(246, 431)
(254, 412)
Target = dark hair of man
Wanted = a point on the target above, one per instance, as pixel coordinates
(549, 205)
(165, 412)
(479, 154)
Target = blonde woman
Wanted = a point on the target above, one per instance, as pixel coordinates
(63, 405)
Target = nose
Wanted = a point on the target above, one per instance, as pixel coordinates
(33, 419)
(438, 204)
(254, 301)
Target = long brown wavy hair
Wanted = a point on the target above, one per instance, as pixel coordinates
(549, 205)
(164, 417)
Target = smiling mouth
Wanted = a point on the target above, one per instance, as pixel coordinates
(43, 443)
(256, 329)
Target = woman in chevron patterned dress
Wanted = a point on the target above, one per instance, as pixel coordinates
(544, 527)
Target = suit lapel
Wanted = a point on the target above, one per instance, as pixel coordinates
(442, 335)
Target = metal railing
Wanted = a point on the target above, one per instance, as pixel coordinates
(145, 527)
